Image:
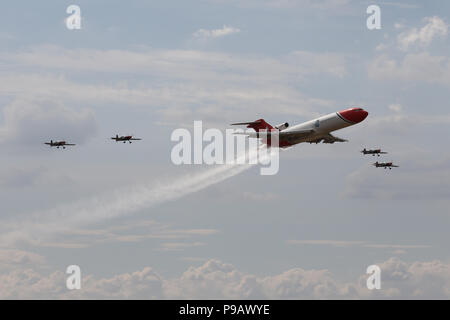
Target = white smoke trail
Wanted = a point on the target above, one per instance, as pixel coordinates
(121, 202)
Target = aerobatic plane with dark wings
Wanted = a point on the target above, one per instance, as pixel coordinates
(124, 139)
(58, 144)
(385, 165)
(373, 152)
(313, 131)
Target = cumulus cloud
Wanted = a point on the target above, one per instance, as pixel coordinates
(212, 280)
(30, 284)
(144, 284)
(420, 67)
(434, 27)
(33, 121)
(19, 258)
(414, 280)
(215, 33)
(218, 280)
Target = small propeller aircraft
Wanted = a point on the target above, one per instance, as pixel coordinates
(313, 131)
(385, 165)
(373, 152)
(58, 144)
(124, 139)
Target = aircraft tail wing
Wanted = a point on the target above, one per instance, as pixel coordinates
(257, 125)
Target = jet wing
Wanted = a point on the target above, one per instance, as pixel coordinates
(69, 144)
(135, 139)
(283, 135)
(295, 135)
(329, 138)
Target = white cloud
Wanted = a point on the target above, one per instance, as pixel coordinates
(395, 107)
(287, 4)
(413, 66)
(334, 243)
(404, 121)
(215, 33)
(341, 243)
(381, 47)
(315, 63)
(176, 246)
(23, 177)
(217, 83)
(30, 284)
(145, 284)
(13, 258)
(217, 280)
(192, 65)
(142, 230)
(434, 27)
(414, 280)
(419, 67)
(400, 5)
(417, 179)
(34, 121)
(19, 177)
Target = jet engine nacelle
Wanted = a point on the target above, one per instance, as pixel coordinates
(282, 126)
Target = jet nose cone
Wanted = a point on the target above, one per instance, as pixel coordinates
(354, 115)
(364, 114)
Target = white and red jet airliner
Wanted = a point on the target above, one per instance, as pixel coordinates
(313, 131)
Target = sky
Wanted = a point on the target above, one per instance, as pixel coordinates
(141, 227)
